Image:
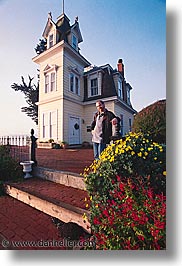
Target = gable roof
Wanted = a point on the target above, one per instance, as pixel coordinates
(76, 28)
(63, 27)
(48, 26)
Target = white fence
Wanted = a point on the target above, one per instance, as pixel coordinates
(17, 140)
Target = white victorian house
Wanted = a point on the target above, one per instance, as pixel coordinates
(70, 85)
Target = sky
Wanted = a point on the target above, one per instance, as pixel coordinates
(134, 30)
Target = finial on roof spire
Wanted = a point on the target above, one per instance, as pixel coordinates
(76, 19)
(49, 15)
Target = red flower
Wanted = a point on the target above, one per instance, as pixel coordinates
(121, 187)
(105, 212)
(118, 178)
(160, 225)
(140, 237)
(96, 221)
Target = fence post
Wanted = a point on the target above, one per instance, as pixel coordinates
(33, 147)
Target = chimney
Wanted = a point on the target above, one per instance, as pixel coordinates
(120, 66)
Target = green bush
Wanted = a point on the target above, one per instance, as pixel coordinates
(9, 168)
(127, 194)
(152, 120)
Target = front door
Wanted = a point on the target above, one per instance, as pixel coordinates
(74, 130)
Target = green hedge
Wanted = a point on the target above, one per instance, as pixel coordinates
(152, 120)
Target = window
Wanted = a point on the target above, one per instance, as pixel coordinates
(74, 42)
(130, 124)
(50, 78)
(120, 91)
(122, 124)
(50, 40)
(53, 124)
(94, 86)
(46, 83)
(49, 129)
(128, 96)
(50, 82)
(74, 83)
(71, 82)
(53, 81)
(45, 125)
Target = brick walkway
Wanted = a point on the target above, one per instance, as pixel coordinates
(20, 222)
(73, 160)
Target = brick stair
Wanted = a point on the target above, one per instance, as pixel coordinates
(57, 188)
(59, 200)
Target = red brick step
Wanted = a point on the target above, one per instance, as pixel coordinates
(60, 201)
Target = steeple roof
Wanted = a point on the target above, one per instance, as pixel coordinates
(63, 27)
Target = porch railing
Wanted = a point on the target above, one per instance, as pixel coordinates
(21, 147)
(18, 140)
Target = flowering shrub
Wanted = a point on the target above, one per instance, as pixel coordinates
(127, 195)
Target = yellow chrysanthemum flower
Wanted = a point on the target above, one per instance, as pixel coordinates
(84, 217)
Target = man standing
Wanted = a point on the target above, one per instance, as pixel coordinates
(102, 128)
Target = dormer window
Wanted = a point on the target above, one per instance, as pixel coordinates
(94, 83)
(51, 40)
(128, 96)
(94, 87)
(74, 42)
(120, 89)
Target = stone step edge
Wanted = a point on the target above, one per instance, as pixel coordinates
(63, 211)
(61, 177)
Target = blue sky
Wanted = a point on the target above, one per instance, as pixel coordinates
(134, 30)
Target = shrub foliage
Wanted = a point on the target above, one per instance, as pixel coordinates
(9, 168)
(126, 190)
(152, 120)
